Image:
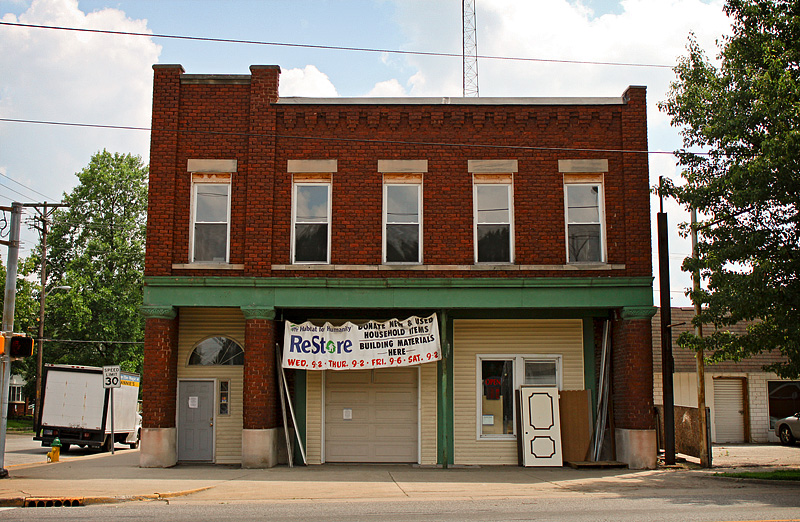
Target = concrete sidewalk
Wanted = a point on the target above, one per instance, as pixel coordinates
(109, 478)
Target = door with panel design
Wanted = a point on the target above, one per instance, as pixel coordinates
(540, 426)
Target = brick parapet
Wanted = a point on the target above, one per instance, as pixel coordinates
(160, 373)
(260, 395)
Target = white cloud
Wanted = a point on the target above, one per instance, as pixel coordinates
(64, 76)
(309, 82)
(389, 89)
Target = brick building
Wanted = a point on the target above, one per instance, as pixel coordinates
(744, 400)
(522, 225)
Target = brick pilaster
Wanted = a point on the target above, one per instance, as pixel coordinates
(163, 150)
(160, 375)
(632, 370)
(261, 401)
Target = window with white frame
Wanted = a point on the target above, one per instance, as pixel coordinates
(498, 377)
(15, 393)
(584, 218)
(211, 199)
(311, 217)
(402, 222)
(494, 235)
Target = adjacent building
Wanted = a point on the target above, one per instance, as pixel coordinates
(522, 225)
(743, 399)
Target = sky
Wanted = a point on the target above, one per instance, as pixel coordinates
(70, 77)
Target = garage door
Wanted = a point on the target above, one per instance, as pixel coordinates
(729, 410)
(371, 415)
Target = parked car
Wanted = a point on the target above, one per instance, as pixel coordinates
(788, 429)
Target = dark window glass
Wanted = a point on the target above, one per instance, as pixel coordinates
(497, 401)
(210, 242)
(494, 223)
(217, 351)
(493, 244)
(311, 243)
(784, 400)
(584, 243)
(402, 243)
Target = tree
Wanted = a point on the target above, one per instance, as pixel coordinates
(96, 247)
(745, 115)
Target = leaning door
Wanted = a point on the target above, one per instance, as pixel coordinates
(540, 426)
(195, 421)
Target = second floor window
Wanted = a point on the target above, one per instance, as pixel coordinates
(311, 214)
(584, 222)
(493, 232)
(402, 223)
(210, 229)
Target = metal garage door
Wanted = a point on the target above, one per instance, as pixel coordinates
(371, 415)
(729, 410)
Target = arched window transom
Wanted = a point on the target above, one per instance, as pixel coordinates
(216, 351)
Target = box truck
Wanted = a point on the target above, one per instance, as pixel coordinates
(76, 408)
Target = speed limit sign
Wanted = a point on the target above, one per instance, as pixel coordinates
(111, 376)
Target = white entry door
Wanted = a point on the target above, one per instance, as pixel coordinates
(541, 426)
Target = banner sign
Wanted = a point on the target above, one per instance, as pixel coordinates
(351, 346)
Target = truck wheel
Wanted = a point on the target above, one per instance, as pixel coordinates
(64, 448)
(135, 445)
(107, 444)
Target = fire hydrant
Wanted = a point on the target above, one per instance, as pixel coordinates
(55, 452)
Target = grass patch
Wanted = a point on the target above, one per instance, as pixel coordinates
(22, 425)
(781, 474)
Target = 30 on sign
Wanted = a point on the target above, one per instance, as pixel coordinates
(111, 376)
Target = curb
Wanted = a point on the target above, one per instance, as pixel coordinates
(56, 501)
(790, 483)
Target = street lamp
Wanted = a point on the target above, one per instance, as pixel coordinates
(40, 352)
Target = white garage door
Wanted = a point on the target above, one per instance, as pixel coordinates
(729, 410)
(371, 415)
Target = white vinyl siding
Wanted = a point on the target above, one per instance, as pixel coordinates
(314, 382)
(196, 324)
(517, 337)
(428, 413)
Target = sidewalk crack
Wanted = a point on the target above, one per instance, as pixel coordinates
(398, 485)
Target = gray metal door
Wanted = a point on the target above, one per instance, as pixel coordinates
(195, 421)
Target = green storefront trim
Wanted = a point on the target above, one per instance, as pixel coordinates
(452, 299)
(333, 293)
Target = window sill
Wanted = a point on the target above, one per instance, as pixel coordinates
(453, 268)
(207, 266)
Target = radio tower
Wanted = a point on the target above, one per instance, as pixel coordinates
(470, 52)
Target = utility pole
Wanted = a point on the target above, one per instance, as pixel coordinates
(705, 457)
(666, 334)
(9, 303)
(43, 211)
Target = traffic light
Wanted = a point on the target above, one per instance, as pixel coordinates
(19, 345)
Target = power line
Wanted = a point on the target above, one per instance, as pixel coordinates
(333, 47)
(357, 140)
(25, 186)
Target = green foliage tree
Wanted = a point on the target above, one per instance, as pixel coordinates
(745, 114)
(96, 247)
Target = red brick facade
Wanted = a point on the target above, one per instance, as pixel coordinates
(240, 119)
